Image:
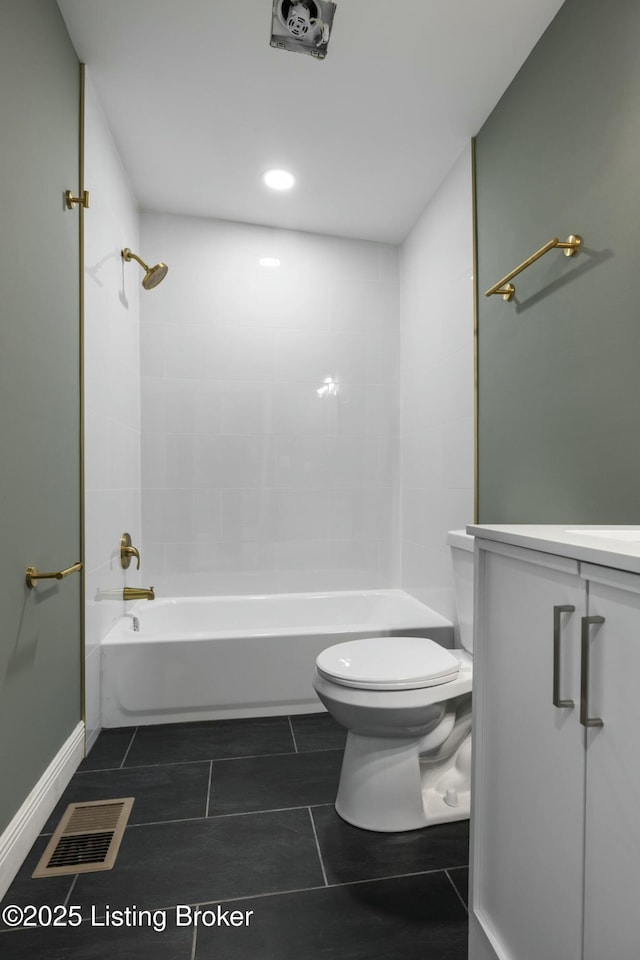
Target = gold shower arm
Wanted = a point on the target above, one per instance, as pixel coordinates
(570, 246)
(129, 255)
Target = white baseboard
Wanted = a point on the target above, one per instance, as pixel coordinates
(20, 835)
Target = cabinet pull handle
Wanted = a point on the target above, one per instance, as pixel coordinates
(557, 611)
(585, 719)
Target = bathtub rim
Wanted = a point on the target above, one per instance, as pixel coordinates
(122, 632)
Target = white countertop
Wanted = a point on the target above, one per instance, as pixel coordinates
(608, 546)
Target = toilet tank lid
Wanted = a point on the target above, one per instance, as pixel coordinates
(460, 539)
(388, 663)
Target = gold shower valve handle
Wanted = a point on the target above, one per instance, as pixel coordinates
(127, 551)
(33, 574)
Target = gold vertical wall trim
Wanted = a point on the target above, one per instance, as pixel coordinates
(83, 698)
(474, 207)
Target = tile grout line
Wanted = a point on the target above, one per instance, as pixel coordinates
(178, 763)
(214, 816)
(458, 894)
(330, 886)
(147, 766)
(206, 809)
(126, 753)
(313, 827)
(71, 888)
(293, 736)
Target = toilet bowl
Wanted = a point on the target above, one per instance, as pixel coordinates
(406, 704)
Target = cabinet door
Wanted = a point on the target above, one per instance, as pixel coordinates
(528, 800)
(612, 860)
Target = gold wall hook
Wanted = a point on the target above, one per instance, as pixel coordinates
(570, 246)
(127, 551)
(70, 200)
(33, 574)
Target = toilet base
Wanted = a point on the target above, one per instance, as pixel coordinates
(387, 787)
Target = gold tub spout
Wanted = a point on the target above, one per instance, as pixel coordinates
(138, 593)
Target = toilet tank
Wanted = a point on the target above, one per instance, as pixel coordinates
(461, 546)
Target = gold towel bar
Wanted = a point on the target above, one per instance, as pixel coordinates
(570, 246)
(33, 575)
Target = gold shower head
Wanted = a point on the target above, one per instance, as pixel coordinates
(153, 275)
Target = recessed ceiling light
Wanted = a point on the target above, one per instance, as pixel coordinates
(269, 262)
(279, 179)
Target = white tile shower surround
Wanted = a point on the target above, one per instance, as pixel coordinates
(112, 384)
(436, 363)
(249, 476)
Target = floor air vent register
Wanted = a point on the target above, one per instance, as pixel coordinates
(87, 838)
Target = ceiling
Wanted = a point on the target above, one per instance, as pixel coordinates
(200, 104)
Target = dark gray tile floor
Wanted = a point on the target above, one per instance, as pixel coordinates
(236, 819)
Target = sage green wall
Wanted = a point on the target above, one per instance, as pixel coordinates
(40, 703)
(559, 366)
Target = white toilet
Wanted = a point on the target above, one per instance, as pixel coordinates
(406, 703)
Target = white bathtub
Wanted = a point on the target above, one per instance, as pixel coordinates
(207, 658)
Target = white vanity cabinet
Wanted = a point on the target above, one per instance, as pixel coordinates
(556, 789)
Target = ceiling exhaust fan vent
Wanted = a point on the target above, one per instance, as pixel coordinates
(302, 26)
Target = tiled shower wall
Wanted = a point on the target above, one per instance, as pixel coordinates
(270, 459)
(437, 377)
(112, 391)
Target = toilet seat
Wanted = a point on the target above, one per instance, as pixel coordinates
(388, 663)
